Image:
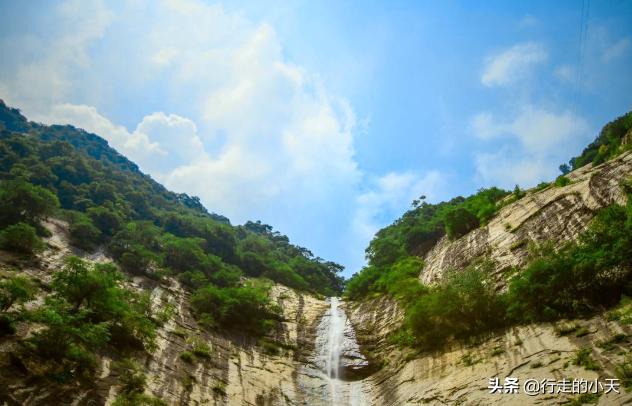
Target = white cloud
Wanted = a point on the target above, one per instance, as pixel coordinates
(506, 168)
(544, 139)
(46, 73)
(528, 21)
(388, 197)
(565, 73)
(616, 50)
(513, 64)
(159, 143)
(255, 136)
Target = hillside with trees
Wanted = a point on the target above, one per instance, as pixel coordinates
(586, 275)
(110, 205)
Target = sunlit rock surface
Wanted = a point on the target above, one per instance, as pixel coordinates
(371, 369)
(556, 214)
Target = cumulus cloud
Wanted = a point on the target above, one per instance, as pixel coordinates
(513, 64)
(387, 198)
(230, 118)
(160, 143)
(528, 21)
(45, 72)
(565, 73)
(537, 140)
(616, 50)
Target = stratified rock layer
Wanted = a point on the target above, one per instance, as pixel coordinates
(240, 372)
(555, 214)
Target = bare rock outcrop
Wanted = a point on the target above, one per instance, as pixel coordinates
(461, 374)
(556, 214)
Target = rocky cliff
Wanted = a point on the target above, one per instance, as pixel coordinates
(287, 368)
(460, 374)
(555, 214)
(238, 371)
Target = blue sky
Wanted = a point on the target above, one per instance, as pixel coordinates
(325, 118)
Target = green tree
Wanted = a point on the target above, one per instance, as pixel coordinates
(21, 238)
(465, 304)
(105, 219)
(21, 201)
(96, 289)
(15, 289)
(84, 234)
(246, 307)
(459, 222)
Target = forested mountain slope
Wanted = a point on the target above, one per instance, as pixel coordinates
(505, 284)
(100, 263)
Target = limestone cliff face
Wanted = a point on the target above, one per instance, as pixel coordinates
(239, 371)
(555, 214)
(288, 371)
(460, 375)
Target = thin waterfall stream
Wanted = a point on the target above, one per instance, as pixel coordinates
(338, 356)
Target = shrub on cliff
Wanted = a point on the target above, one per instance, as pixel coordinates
(245, 307)
(21, 201)
(459, 222)
(465, 304)
(21, 238)
(580, 277)
(608, 144)
(87, 310)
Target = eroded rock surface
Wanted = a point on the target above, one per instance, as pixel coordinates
(555, 214)
(241, 371)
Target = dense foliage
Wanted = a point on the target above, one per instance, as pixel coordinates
(64, 171)
(85, 309)
(463, 305)
(576, 280)
(580, 277)
(608, 144)
(394, 247)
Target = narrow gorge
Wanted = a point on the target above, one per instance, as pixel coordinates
(127, 294)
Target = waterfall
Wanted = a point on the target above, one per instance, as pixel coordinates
(335, 338)
(336, 349)
(337, 321)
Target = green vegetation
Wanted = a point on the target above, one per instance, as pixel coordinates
(583, 399)
(611, 343)
(578, 279)
(23, 202)
(624, 371)
(198, 350)
(87, 310)
(21, 238)
(464, 305)
(622, 313)
(608, 144)
(187, 356)
(583, 358)
(67, 172)
(566, 329)
(133, 382)
(15, 290)
(562, 181)
(246, 307)
(393, 252)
